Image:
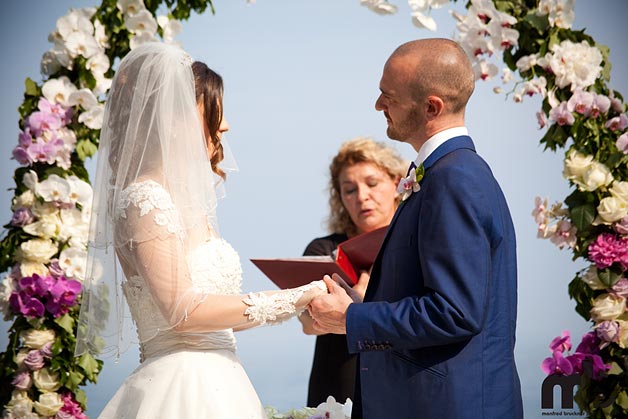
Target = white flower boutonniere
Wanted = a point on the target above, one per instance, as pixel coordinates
(411, 183)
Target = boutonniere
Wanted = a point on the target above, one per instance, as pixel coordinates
(411, 183)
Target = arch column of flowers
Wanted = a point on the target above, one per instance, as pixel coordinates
(44, 247)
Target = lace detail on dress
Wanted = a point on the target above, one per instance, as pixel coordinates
(277, 307)
(147, 196)
(220, 273)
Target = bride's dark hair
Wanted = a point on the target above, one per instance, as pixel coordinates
(208, 87)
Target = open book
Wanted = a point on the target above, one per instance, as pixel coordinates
(350, 258)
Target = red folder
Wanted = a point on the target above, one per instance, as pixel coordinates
(352, 256)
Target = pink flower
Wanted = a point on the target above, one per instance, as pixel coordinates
(64, 114)
(601, 104)
(63, 295)
(561, 343)
(54, 268)
(557, 364)
(26, 305)
(39, 121)
(70, 409)
(21, 217)
(618, 123)
(621, 143)
(580, 102)
(621, 288)
(34, 360)
(22, 380)
(561, 115)
(607, 331)
(607, 249)
(621, 226)
(541, 119)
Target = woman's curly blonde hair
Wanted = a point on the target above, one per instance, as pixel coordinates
(358, 150)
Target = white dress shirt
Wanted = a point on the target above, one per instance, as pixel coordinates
(436, 140)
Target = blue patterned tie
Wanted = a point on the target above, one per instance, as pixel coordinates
(411, 168)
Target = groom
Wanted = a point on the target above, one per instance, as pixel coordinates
(436, 331)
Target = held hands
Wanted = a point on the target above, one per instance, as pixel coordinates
(329, 311)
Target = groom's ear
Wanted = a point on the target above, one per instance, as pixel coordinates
(434, 107)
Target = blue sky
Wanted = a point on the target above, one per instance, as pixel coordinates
(301, 77)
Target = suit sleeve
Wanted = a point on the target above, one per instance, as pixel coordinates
(454, 254)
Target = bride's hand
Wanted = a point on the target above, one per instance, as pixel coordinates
(312, 290)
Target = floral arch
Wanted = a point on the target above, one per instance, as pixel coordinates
(44, 244)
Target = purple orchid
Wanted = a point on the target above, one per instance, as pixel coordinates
(63, 295)
(24, 304)
(557, 364)
(22, 216)
(561, 343)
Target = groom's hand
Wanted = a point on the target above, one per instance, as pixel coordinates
(329, 311)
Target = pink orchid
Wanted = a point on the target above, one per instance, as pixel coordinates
(557, 364)
(618, 123)
(561, 115)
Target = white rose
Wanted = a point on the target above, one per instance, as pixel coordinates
(27, 199)
(46, 227)
(597, 176)
(35, 339)
(576, 165)
(620, 191)
(611, 209)
(608, 307)
(44, 209)
(20, 404)
(48, 404)
(45, 380)
(28, 268)
(37, 250)
(592, 279)
(623, 333)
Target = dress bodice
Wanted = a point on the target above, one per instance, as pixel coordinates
(214, 268)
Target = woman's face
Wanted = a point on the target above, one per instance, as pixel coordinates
(368, 194)
(224, 127)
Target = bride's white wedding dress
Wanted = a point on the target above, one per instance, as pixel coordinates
(182, 375)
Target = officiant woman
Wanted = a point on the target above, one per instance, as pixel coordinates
(362, 197)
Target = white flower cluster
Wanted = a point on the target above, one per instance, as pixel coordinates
(75, 35)
(420, 10)
(553, 223)
(559, 13)
(585, 172)
(329, 409)
(483, 32)
(141, 23)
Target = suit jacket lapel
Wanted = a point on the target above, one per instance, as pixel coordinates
(447, 147)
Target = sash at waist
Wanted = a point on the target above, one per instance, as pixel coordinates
(170, 341)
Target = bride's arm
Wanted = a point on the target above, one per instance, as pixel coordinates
(161, 261)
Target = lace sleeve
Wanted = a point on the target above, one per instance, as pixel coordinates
(161, 261)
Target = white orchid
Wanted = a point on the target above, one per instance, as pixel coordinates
(93, 117)
(47, 227)
(98, 64)
(80, 191)
(84, 98)
(170, 27)
(79, 43)
(130, 7)
(73, 261)
(58, 90)
(141, 39)
(381, 7)
(73, 22)
(142, 22)
(74, 227)
(100, 35)
(54, 188)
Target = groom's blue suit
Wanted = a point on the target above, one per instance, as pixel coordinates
(436, 332)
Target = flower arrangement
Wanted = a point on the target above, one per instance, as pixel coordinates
(569, 71)
(44, 248)
(330, 409)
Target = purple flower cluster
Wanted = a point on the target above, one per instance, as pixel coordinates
(585, 359)
(608, 249)
(71, 409)
(37, 294)
(41, 140)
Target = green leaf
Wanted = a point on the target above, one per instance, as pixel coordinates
(583, 216)
(90, 366)
(66, 322)
(615, 369)
(622, 400)
(74, 380)
(540, 23)
(31, 87)
(608, 277)
(85, 149)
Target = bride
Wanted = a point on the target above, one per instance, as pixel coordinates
(154, 214)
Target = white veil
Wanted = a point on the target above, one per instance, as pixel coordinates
(151, 130)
